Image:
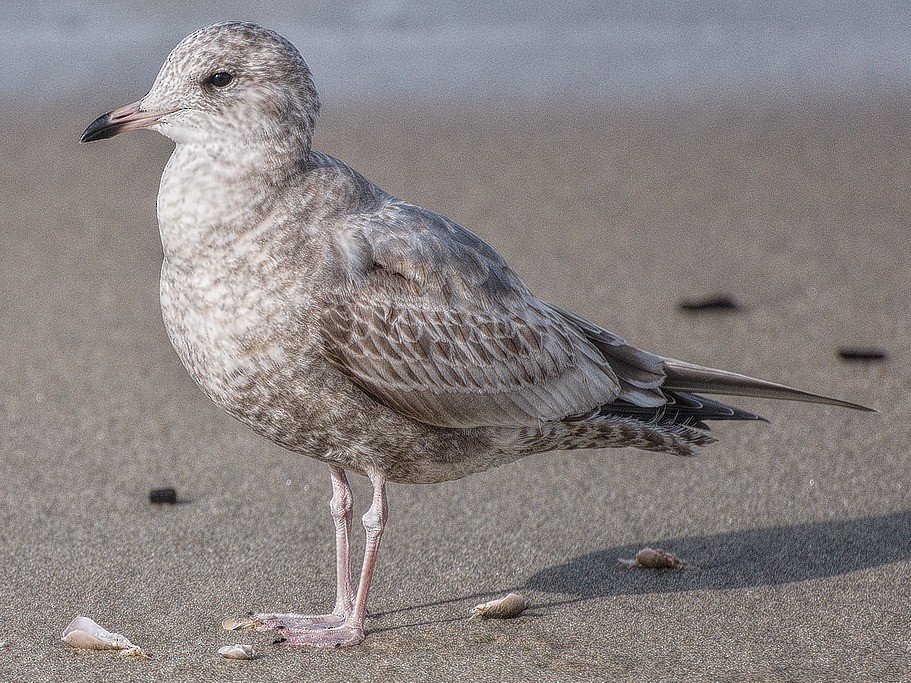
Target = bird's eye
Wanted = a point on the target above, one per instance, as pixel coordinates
(220, 79)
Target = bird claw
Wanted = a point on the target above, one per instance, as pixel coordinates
(284, 622)
(331, 637)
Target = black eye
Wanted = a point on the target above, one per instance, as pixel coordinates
(220, 79)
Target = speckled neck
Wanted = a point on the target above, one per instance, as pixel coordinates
(212, 195)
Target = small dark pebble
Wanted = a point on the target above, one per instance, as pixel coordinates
(856, 353)
(159, 496)
(721, 302)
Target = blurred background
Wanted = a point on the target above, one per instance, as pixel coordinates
(596, 50)
(622, 156)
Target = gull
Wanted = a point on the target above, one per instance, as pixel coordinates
(382, 338)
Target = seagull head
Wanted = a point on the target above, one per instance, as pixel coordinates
(229, 84)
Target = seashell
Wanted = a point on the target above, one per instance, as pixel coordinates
(238, 623)
(85, 634)
(508, 607)
(653, 558)
(237, 652)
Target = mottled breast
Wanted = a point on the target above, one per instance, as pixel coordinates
(230, 302)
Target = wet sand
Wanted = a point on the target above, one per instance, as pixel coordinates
(797, 533)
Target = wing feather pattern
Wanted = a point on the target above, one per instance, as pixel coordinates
(429, 320)
(432, 322)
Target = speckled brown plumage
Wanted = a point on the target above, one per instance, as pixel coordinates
(350, 326)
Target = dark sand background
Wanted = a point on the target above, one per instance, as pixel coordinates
(797, 533)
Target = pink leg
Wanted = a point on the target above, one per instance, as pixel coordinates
(351, 632)
(341, 508)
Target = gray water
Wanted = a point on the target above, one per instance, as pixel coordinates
(405, 49)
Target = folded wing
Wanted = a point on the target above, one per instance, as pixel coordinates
(432, 322)
(429, 320)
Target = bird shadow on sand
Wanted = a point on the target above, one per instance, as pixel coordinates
(738, 559)
(723, 561)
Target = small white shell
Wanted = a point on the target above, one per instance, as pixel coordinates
(653, 558)
(85, 634)
(508, 607)
(237, 652)
(238, 623)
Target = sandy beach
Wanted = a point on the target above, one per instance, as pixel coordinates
(797, 533)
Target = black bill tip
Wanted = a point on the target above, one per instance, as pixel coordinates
(101, 128)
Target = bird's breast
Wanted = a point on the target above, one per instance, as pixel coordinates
(228, 330)
(228, 310)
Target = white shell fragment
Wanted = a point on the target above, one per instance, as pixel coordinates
(653, 558)
(85, 634)
(238, 623)
(237, 652)
(502, 608)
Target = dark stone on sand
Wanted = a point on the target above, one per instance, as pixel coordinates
(711, 304)
(163, 496)
(862, 354)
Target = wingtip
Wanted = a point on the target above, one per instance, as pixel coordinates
(690, 377)
(846, 404)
